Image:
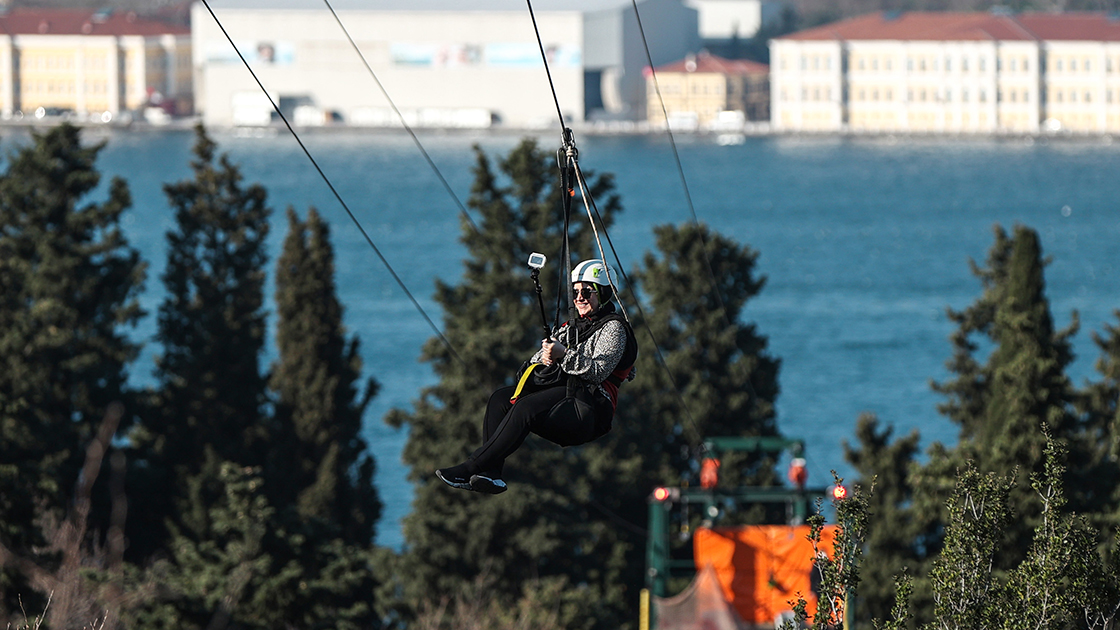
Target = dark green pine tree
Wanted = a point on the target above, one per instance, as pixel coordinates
(1003, 402)
(321, 467)
(717, 380)
(208, 407)
(321, 476)
(542, 532)
(896, 541)
(1100, 404)
(68, 289)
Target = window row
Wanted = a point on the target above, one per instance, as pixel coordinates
(874, 63)
(946, 64)
(947, 96)
(817, 94)
(809, 62)
(61, 62)
(674, 89)
(963, 63)
(62, 87)
(874, 94)
(1074, 96)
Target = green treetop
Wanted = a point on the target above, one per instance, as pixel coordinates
(1002, 404)
(717, 380)
(320, 464)
(68, 287)
(208, 408)
(1100, 404)
(1008, 392)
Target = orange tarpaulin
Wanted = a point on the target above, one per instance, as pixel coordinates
(701, 606)
(761, 568)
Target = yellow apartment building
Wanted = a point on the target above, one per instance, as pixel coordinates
(703, 85)
(950, 73)
(91, 63)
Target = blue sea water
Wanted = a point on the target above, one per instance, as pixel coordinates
(864, 243)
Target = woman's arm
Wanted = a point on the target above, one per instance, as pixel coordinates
(593, 360)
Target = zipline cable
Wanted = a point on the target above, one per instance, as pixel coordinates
(687, 193)
(404, 123)
(641, 312)
(568, 146)
(585, 193)
(544, 57)
(334, 191)
(677, 158)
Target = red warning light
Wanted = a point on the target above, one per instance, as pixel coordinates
(839, 493)
(709, 473)
(661, 494)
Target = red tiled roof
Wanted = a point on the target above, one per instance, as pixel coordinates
(930, 26)
(1093, 27)
(708, 63)
(83, 22)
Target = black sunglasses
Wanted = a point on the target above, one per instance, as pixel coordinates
(586, 292)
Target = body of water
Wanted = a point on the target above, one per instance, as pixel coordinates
(864, 241)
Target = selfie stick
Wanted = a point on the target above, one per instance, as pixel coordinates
(536, 261)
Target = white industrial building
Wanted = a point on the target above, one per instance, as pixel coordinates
(722, 21)
(444, 63)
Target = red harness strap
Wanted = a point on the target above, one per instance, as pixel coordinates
(613, 381)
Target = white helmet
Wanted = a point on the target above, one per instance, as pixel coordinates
(591, 271)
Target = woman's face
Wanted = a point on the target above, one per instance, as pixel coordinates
(586, 297)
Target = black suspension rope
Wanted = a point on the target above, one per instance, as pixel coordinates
(566, 175)
(572, 163)
(680, 167)
(407, 127)
(641, 312)
(687, 193)
(544, 58)
(334, 191)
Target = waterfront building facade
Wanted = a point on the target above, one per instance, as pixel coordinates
(444, 63)
(91, 63)
(950, 73)
(702, 89)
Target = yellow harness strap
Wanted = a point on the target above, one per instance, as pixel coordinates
(521, 383)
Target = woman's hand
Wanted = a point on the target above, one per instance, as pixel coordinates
(552, 350)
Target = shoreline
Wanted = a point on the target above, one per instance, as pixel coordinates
(613, 128)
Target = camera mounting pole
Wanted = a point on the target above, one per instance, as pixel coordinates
(535, 264)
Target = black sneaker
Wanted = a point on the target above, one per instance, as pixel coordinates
(488, 483)
(454, 477)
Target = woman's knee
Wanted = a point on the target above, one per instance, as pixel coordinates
(499, 400)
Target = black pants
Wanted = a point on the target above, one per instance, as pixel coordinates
(507, 425)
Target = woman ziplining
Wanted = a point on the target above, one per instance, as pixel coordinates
(567, 394)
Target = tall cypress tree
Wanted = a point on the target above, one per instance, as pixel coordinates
(1003, 403)
(320, 477)
(208, 407)
(68, 287)
(1009, 385)
(540, 532)
(321, 466)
